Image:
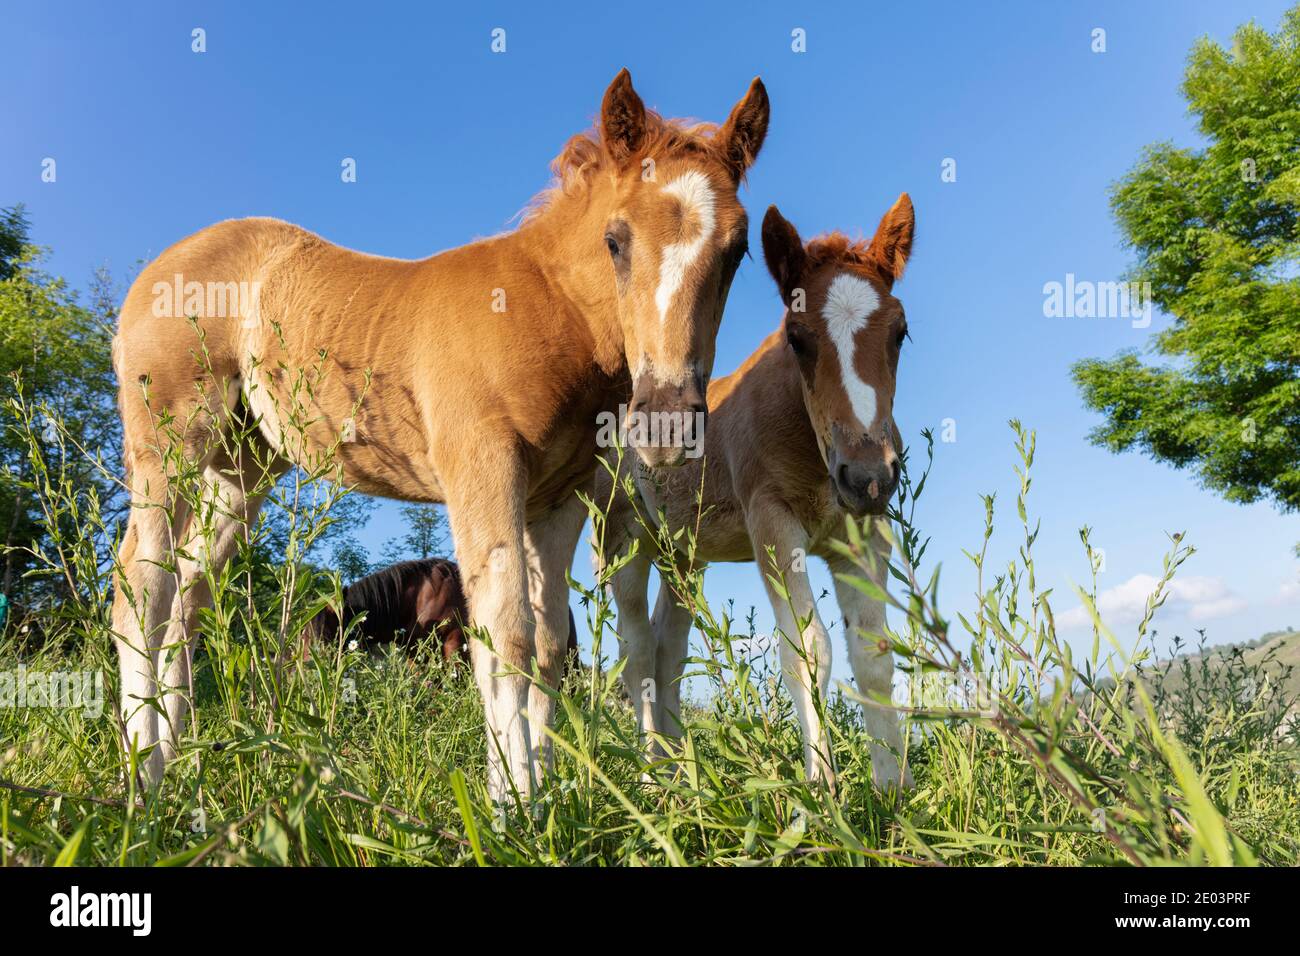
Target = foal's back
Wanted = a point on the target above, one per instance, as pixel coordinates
(286, 320)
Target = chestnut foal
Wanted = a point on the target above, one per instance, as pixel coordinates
(475, 377)
(800, 436)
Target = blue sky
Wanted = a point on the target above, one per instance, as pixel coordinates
(153, 141)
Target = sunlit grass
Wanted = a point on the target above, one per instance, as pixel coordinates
(1022, 753)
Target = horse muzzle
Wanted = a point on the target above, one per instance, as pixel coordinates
(864, 487)
(665, 423)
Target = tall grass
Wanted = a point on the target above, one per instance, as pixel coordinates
(1022, 751)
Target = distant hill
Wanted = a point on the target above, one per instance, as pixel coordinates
(1261, 678)
(1268, 665)
(1275, 651)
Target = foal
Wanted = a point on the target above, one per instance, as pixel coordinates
(477, 377)
(801, 435)
(408, 602)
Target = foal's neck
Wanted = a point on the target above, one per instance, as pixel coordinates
(771, 379)
(564, 242)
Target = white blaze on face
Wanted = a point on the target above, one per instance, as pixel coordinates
(695, 194)
(849, 304)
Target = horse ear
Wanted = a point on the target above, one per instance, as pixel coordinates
(741, 136)
(783, 252)
(892, 244)
(622, 118)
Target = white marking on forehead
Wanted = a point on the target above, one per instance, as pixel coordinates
(850, 302)
(696, 196)
(679, 377)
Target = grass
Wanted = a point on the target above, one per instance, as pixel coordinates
(1023, 753)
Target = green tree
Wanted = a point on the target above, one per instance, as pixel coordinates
(1215, 232)
(333, 545)
(425, 534)
(59, 352)
(337, 535)
(14, 230)
(350, 557)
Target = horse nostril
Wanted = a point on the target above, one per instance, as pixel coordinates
(893, 471)
(842, 476)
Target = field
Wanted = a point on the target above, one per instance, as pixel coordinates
(1023, 754)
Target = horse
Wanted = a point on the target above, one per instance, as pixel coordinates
(800, 436)
(408, 603)
(478, 377)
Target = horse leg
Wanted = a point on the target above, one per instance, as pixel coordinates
(636, 645)
(487, 524)
(231, 495)
(141, 599)
(672, 629)
(628, 586)
(550, 542)
(873, 667)
(166, 421)
(805, 647)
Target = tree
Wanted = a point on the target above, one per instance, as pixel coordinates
(14, 230)
(425, 535)
(58, 353)
(350, 557)
(1216, 232)
(337, 535)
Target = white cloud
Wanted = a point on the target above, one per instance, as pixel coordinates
(1289, 592)
(1197, 598)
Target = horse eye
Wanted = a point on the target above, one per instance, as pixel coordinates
(731, 263)
(612, 245)
(795, 336)
(902, 334)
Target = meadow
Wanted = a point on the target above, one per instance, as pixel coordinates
(1023, 753)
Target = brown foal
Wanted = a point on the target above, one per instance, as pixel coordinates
(800, 436)
(474, 377)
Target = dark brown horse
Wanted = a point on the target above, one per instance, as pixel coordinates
(408, 603)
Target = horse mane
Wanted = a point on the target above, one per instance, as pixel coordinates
(583, 155)
(378, 595)
(835, 246)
